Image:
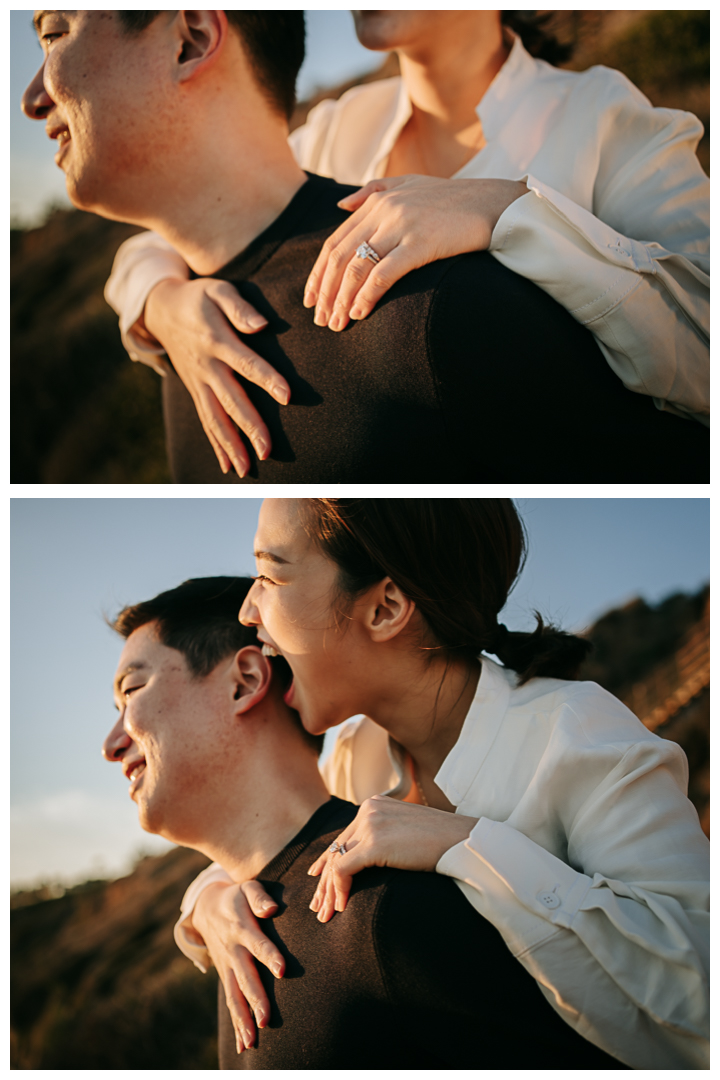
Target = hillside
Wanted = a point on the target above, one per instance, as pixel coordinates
(83, 413)
(96, 979)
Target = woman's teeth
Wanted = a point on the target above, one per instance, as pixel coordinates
(268, 650)
(136, 771)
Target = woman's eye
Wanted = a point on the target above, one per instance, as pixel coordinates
(129, 690)
(261, 577)
(48, 39)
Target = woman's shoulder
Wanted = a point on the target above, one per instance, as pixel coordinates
(581, 712)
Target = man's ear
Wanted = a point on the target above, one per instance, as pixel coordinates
(201, 36)
(251, 675)
(387, 611)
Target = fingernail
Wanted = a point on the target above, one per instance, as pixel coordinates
(320, 317)
(309, 298)
(277, 970)
(356, 312)
(334, 323)
(249, 1038)
(239, 1045)
(281, 394)
(314, 905)
(256, 321)
(240, 469)
(267, 904)
(311, 871)
(261, 449)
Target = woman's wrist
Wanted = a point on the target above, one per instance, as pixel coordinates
(149, 325)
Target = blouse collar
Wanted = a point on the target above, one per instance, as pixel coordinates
(479, 731)
(495, 108)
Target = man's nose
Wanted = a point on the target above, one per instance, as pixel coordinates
(248, 614)
(36, 102)
(116, 743)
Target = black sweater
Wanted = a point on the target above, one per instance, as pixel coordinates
(464, 372)
(408, 976)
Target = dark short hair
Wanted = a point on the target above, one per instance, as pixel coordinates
(274, 42)
(200, 619)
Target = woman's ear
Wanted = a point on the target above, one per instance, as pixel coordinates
(201, 35)
(388, 610)
(251, 676)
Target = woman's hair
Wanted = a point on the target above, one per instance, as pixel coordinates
(530, 26)
(457, 559)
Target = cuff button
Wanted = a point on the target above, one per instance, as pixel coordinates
(548, 900)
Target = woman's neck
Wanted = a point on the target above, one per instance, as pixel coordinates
(445, 81)
(424, 708)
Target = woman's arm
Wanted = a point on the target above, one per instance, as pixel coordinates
(616, 933)
(616, 231)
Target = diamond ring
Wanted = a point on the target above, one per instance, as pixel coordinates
(366, 252)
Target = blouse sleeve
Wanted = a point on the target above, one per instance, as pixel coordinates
(634, 268)
(617, 935)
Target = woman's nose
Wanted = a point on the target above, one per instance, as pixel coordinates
(116, 743)
(36, 102)
(248, 614)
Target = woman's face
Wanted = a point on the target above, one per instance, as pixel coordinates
(291, 604)
(412, 30)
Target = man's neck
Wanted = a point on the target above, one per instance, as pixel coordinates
(226, 209)
(246, 820)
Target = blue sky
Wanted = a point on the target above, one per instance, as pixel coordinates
(333, 55)
(73, 559)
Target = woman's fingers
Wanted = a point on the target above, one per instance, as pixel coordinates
(220, 430)
(260, 903)
(250, 986)
(240, 1014)
(359, 293)
(239, 311)
(234, 401)
(355, 201)
(234, 352)
(328, 253)
(342, 261)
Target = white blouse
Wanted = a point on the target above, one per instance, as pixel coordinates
(615, 226)
(587, 857)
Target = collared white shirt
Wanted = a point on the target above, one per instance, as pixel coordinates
(587, 857)
(615, 226)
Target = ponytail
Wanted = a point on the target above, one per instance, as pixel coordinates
(547, 651)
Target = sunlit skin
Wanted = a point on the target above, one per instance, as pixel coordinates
(367, 659)
(164, 128)
(169, 129)
(363, 657)
(202, 755)
(198, 752)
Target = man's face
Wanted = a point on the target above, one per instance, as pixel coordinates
(100, 93)
(166, 738)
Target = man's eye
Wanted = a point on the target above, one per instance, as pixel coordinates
(128, 690)
(261, 577)
(48, 39)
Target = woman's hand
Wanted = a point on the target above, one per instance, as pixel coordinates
(224, 916)
(193, 321)
(409, 221)
(385, 832)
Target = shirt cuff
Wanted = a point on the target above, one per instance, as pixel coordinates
(187, 938)
(526, 892)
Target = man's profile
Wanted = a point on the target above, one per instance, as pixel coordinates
(408, 976)
(177, 121)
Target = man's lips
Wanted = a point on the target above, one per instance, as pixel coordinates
(62, 136)
(133, 770)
